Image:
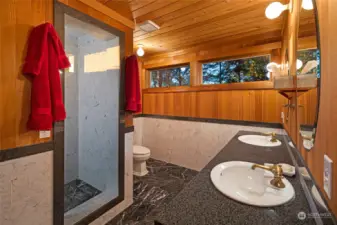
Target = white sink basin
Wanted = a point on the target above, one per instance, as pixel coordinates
(238, 181)
(259, 140)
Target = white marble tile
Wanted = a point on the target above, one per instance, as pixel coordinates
(138, 131)
(6, 170)
(186, 143)
(71, 105)
(91, 205)
(98, 118)
(26, 190)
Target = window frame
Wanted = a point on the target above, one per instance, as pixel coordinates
(197, 72)
(148, 71)
(233, 59)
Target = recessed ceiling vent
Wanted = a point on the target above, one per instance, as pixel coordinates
(149, 26)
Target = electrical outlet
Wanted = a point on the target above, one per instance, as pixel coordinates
(44, 134)
(327, 176)
(282, 117)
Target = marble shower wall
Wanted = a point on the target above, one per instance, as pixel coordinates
(186, 143)
(98, 113)
(26, 190)
(71, 104)
(76, 214)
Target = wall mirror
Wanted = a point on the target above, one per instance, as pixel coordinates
(308, 77)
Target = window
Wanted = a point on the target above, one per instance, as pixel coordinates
(177, 76)
(239, 70)
(309, 55)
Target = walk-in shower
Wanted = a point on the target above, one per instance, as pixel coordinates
(92, 142)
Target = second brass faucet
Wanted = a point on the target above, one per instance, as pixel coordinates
(273, 136)
(277, 172)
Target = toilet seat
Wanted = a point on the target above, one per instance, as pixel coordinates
(140, 150)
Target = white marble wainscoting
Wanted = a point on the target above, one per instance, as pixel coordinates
(138, 130)
(128, 184)
(187, 143)
(26, 189)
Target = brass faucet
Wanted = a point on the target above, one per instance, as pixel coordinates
(273, 136)
(276, 170)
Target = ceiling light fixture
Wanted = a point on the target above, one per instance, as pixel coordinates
(140, 50)
(307, 5)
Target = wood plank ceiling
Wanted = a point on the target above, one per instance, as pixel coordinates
(188, 23)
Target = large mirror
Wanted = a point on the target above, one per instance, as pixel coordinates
(308, 77)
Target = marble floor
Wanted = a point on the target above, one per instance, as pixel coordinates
(163, 183)
(77, 192)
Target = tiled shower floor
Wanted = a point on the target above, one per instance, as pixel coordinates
(77, 192)
(164, 182)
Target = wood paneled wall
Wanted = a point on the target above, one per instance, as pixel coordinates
(307, 106)
(247, 105)
(250, 101)
(253, 101)
(326, 141)
(16, 20)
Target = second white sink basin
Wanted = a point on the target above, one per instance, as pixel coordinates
(259, 140)
(238, 181)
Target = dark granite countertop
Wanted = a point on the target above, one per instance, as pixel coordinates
(200, 203)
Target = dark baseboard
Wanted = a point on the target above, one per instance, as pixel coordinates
(15, 153)
(129, 129)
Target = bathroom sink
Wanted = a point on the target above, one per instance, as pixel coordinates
(259, 140)
(237, 180)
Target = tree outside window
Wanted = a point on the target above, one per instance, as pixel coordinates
(233, 71)
(306, 56)
(170, 77)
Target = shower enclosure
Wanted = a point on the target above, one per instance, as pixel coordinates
(93, 149)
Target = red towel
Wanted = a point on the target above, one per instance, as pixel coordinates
(132, 85)
(45, 56)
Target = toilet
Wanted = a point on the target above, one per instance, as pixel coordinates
(140, 155)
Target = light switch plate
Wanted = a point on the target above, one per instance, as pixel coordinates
(327, 176)
(44, 134)
(282, 117)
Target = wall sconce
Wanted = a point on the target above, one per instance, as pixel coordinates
(307, 5)
(299, 64)
(273, 67)
(140, 50)
(275, 9)
(276, 68)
